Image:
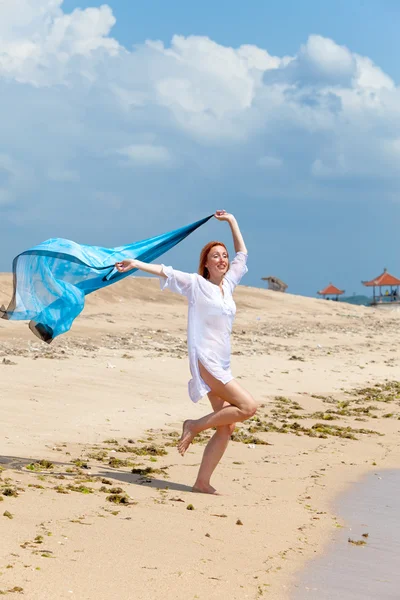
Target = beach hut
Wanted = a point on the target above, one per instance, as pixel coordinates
(275, 284)
(388, 281)
(331, 292)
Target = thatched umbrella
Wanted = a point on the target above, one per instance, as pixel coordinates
(275, 284)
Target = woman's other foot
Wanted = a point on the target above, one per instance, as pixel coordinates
(186, 437)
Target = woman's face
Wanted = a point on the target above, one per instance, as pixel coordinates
(217, 262)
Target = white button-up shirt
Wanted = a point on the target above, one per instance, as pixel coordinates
(210, 320)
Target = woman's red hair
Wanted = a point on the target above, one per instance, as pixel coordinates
(203, 271)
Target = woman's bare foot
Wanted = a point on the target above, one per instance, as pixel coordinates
(186, 437)
(204, 489)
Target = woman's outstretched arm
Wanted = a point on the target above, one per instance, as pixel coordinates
(175, 281)
(132, 263)
(238, 240)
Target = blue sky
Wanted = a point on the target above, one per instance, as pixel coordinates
(285, 113)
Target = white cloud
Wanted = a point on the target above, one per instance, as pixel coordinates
(63, 175)
(270, 162)
(370, 76)
(8, 166)
(325, 61)
(39, 42)
(146, 154)
(14, 179)
(5, 197)
(86, 122)
(325, 170)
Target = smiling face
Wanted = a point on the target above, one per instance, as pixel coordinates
(217, 262)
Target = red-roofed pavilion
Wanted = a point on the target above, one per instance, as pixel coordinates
(331, 290)
(384, 280)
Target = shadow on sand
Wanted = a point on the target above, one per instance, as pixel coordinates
(18, 463)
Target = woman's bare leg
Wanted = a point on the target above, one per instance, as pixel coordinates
(214, 450)
(240, 406)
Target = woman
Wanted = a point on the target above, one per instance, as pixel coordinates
(211, 314)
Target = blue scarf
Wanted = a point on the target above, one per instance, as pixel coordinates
(52, 279)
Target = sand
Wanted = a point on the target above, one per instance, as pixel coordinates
(115, 387)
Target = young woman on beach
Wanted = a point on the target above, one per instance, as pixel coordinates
(211, 313)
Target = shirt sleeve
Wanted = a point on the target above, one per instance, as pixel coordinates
(177, 281)
(237, 269)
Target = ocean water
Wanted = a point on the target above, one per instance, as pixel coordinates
(358, 300)
(368, 572)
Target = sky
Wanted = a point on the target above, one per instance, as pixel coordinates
(123, 120)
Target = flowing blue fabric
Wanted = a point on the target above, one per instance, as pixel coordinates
(52, 279)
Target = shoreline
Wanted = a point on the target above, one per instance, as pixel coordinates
(327, 546)
(365, 550)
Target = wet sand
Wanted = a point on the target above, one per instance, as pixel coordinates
(367, 566)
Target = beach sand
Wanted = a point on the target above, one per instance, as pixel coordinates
(108, 398)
